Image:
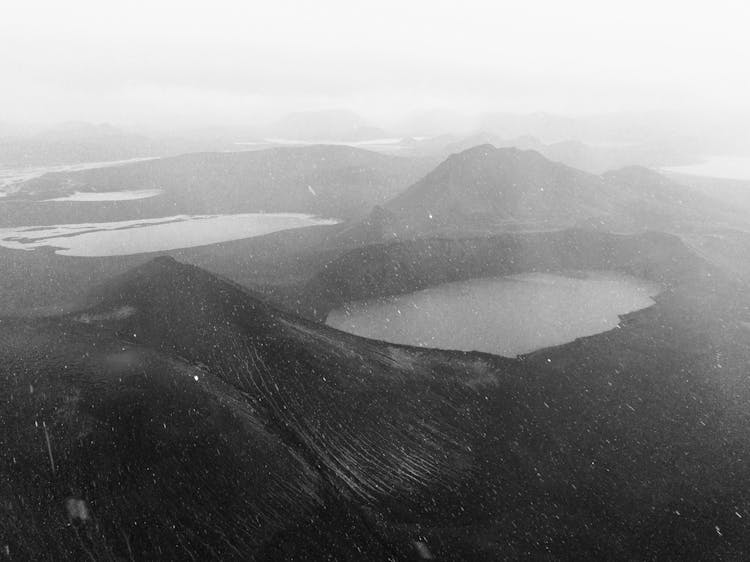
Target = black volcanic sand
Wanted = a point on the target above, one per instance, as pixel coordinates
(182, 418)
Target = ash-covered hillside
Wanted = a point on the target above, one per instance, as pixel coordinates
(179, 415)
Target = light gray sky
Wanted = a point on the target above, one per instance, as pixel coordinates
(220, 62)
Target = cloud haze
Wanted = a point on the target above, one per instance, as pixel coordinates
(199, 63)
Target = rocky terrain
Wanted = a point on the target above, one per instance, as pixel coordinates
(179, 415)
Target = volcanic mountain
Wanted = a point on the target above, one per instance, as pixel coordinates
(489, 189)
(595, 159)
(504, 184)
(179, 416)
(182, 417)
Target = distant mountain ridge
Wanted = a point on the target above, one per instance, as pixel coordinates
(332, 181)
(82, 142)
(505, 188)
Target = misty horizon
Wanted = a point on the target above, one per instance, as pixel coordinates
(175, 66)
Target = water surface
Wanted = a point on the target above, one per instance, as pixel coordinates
(502, 315)
(151, 235)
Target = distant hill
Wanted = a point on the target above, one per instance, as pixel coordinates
(436, 122)
(489, 189)
(485, 184)
(72, 143)
(549, 127)
(483, 137)
(82, 142)
(334, 181)
(329, 125)
(592, 158)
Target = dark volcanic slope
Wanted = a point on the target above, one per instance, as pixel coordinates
(336, 181)
(180, 417)
(190, 419)
(640, 441)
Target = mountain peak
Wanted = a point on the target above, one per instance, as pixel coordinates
(164, 283)
(480, 149)
(499, 184)
(498, 155)
(487, 162)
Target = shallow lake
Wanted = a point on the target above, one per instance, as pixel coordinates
(151, 235)
(502, 315)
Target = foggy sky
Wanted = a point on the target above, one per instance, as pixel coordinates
(200, 63)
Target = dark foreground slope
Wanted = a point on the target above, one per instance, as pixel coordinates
(180, 417)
